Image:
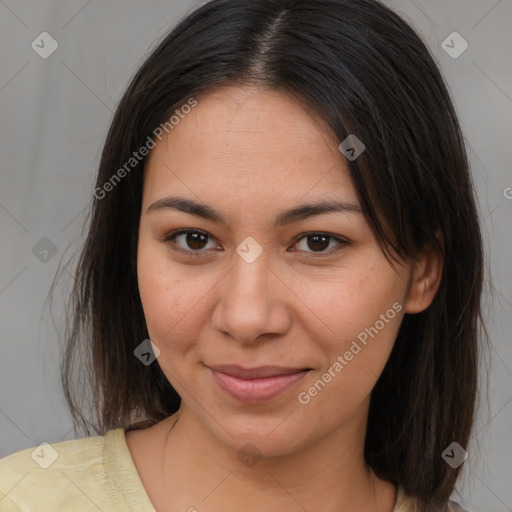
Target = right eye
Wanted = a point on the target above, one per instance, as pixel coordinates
(190, 241)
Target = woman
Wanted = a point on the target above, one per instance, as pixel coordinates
(284, 208)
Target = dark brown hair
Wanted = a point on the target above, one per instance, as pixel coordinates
(365, 71)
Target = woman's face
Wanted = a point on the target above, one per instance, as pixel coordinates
(263, 279)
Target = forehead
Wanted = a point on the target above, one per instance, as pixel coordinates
(252, 142)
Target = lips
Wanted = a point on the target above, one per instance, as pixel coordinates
(255, 373)
(255, 385)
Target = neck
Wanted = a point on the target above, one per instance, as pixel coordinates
(200, 473)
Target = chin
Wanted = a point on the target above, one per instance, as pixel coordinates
(267, 436)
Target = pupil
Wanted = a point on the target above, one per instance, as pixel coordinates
(319, 242)
(196, 240)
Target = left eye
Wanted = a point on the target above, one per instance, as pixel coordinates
(319, 242)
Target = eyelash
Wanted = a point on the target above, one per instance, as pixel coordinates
(169, 240)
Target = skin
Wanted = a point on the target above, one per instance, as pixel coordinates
(250, 154)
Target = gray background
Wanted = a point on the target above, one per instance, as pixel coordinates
(54, 117)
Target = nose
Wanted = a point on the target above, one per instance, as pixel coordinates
(253, 301)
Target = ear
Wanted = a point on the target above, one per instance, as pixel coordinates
(425, 277)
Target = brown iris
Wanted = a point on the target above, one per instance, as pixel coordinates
(196, 241)
(318, 242)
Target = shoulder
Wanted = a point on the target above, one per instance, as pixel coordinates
(53, 457)
(408, 503)
(63, 475)
(455, 507)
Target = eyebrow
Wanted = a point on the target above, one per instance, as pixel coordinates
(286, 217)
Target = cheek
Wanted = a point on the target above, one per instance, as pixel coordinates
(168, 310)
(174, 299)
(359, 313)
(163, 296)
(356, 349)
(352, 300)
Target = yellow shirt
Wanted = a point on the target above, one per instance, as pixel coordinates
(90, 474)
